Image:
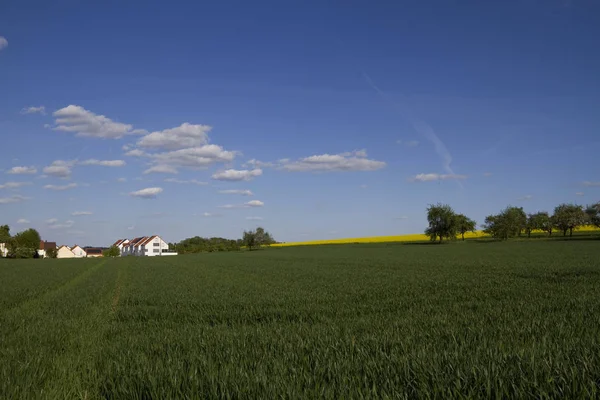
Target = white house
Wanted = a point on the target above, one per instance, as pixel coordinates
(149, 246)
(3, 250)
(121, 244)
(78, 251)
(65, 252)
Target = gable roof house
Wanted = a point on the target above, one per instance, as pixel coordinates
(93, 252)
(45, 246)
(121, 244)
(148, 246)
(78, 251)
(64, 252)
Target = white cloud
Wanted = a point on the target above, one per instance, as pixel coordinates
(349, 161)
(208, 215)
(61, 187)
(184, 136)
(136, 153)
(194, 157)
(130, 228)
(237, 191)
(59, 168)
(254, 218)
(183, 182)
(237, 175)
(85, 123)
(14, 185)
(258, 164)
(588, 183)
(161, 169)
(3, 42)
(526, 197)
(104, 163)
(23, 221)
(78, 213)
(436, 177)
(122, 180)
(580, 194)
(34, 110)
(254, 203)
(22, 170)
(54, 224)
(147, 193)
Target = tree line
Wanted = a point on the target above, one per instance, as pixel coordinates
(444, 223)
(24, 244)
(250, 239)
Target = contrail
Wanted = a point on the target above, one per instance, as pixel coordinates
(420, 126)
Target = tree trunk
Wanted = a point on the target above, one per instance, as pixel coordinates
(564, 232)
(440, 239)
(463, 236)
(528, 234)
(550, 232)
(570, 232)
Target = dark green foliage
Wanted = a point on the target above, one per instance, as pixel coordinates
(509, 223)
(51, 253)
(464, 225)
(112, 251)
(4, 234)
(568, 217)
(201, 245)
(593, 214)
(538, 221)
(257, 238)
(442, 222)
(24, 244)
(497, 320)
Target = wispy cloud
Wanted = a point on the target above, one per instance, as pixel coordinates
(252, 203)
(61, 187)
(589, 184)
(436, 177)
(254, 218)
(104, 163)
(186, 182)
(3, 42)
(209, 215)
(402, 217)
(59, 169)
(79, 213)
(23, 221)
(580, 194)
(147, 193)
(161, 169)
(237, 175)
(14, 185)
(349, 161)
(34, 110)
(53, 223)
(22, 170)
(237, 191)
(422, 127)
(526, 197)
(487, 174)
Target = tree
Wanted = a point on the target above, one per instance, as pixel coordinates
(464, 225)
(540, 221)
(442, 222)
(593, 214)
(509, 223)
(4, 233)
(25, 244)
(263, 237)
(52, 253)
(112, 251)
(568, 217)
(249, 239)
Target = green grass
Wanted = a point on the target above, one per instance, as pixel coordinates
(479, 319)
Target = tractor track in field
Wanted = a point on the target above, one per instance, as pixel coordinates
(44, 297)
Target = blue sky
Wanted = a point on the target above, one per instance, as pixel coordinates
(313, 119)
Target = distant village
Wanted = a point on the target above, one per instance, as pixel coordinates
(145, 246)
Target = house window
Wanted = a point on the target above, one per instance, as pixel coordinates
(156, 250)
(146, 250)
(156, 244)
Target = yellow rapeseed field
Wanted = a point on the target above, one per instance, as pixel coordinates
(401, 238)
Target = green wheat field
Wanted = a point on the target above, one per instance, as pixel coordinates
(475, 319)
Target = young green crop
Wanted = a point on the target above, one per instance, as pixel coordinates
(516, 319)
